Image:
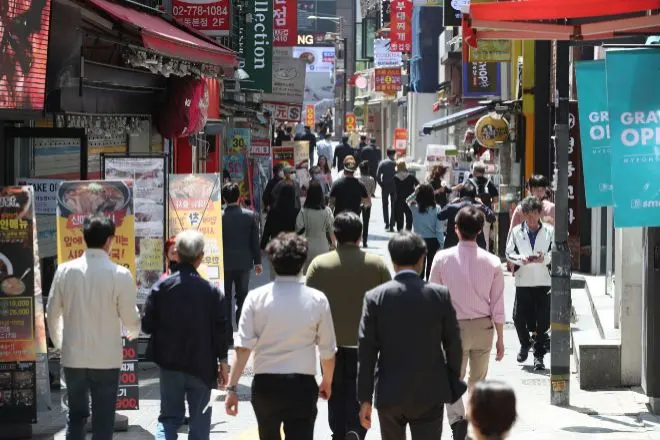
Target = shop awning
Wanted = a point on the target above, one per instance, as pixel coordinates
(167, 38)
(454, 118)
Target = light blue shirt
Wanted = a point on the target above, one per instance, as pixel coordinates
(427, 224)
(324, 148)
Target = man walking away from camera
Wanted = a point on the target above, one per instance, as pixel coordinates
(385, 174)
(487, 193)
(90, 299)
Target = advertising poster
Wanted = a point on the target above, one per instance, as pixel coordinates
(383, 56)
(148, 175)
(18, 381)
(481, 80)
(79, 199)
(45, 205)
(235, 161)
(401, 141)
(283, 155)
(388, 80)
(258, 44)
(211, 17)
(310, 115)
(401, 12)
(285, 23)
(594, 132)
(259, 147)
(351, 122)
(634, 114)
(301, 161)
(195, 203)
(494, 51)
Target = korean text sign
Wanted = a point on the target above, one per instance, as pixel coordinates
(388, 80)
(481, 80)
(285, 23)
(594, 132)
(633, 101)
(400, 25)
(210, 17)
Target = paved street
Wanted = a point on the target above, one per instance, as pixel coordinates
(619, 414)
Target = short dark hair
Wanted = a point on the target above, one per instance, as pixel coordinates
(425, 197)
(406, 248)
(363, 138)
(287, 253)
(538, 181)
(315, 198)
(231, 192)
(97, 228)
(530, 204)
(469, 191)
(347, 227)
(470, 222)
(391, 151)
(344, 139)
(277, 167)
(492, 408)
(364, 167)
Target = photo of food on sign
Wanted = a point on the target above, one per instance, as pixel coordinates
(92, 197)
(16, 256)
(193, 187)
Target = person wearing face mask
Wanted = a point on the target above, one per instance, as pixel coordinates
(278, 174)
(317, 176)
(289, 179)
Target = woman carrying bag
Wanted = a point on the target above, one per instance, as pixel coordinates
(314, 222)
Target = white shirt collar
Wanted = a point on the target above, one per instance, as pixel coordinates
(405, 271)
(290, 279)
(96, 253)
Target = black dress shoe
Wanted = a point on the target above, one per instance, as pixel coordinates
(459, 430)
(523, 354)
(538, 363)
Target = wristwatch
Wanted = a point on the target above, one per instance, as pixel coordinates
(231, 389)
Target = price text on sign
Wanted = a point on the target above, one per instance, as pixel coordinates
(211, 18)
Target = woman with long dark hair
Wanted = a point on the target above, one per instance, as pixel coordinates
(326, 172)
(314, 221)
(491, 410)
(426, 224)
(441, 190)
(281, 218)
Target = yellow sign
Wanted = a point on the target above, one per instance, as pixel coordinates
(491, 129)
(351, 122)
(310, 115)
(491, 51)
(151, 254)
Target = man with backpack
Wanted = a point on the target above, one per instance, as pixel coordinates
(486, 192)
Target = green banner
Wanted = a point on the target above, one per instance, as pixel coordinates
(259, 44)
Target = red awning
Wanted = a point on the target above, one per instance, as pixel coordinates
(166, 38)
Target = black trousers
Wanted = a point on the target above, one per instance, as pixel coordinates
(288, 399)
(366, 215)
(403, 210)
(425, 422)
(531, 313)
(432, 247)
(236, 282)
(389, 199)
(343, 406)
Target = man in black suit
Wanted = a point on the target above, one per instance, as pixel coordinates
(413, 383)
(240, 243)
(371, 154)
(385, 178)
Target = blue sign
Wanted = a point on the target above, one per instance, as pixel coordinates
(634, 107)
(234, 163)
(594, 132)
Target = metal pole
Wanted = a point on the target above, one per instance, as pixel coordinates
(560, 313)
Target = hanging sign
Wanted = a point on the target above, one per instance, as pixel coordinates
(498, 51)
(288, 78)
(383, 56)
(259, 44)
(207, 16)
(400, 26)
(388, 80)
(594, 132)
(491, 129)
(284, 112)
(284, 155)
(310, 115)
(634, 113)
(285, 23)
(401, 141)
(351, 122)
(259, 147)
(481, 80)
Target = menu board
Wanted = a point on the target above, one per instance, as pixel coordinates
(195, 203)
(18, 390)
(148, 175)
(128, 395)
(79, 199)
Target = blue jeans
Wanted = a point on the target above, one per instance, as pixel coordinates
(175, 388)
(103, 386)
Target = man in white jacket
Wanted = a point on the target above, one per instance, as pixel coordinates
(528, 248)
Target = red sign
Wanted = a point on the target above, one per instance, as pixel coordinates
(209, 17)
(285, 23)
(388, 80)
(259, 147)
(284, 112)
(24, 27)
(401, 140)
(351, 122)
(400, 26)
(283, 155)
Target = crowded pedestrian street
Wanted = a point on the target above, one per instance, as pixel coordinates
(619, 414)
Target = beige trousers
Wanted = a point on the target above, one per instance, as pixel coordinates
(477, 342)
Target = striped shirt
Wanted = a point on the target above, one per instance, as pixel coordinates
(475, 281)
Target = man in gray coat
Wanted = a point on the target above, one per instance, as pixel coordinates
(240, 242)
(385, 178)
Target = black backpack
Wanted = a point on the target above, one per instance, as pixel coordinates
(482, 191)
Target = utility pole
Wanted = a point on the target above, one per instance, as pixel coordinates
(560, 313)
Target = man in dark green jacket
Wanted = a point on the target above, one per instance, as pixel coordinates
(344, 276)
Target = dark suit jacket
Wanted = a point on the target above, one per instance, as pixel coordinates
(449, 213)
(385, 174)
(240, 239)
(407, 326)
(372, 155)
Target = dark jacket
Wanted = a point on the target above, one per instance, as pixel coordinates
(240, 239)
(278, 221)
(449, 213)
(268, 192)
(186, 318)
(385, 174)
(341, 152)
(372, 155)
(405, 312)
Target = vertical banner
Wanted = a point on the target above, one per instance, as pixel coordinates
(195, 203)
(236, 160)
(18, 380)
(310, 115)
(351, 122)
(400, 26)
(148, 175)
(481, 80)
(575, 184)
(401, 141)
(259, 44)
(285, 23)
(594, 132)
(212, 17)
(75, 201)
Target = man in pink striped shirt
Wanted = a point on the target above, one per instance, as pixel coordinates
(475, 281)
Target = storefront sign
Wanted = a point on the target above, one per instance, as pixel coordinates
(310, 115)
(400, 25)
(388, 80)
(453, 15)
(115, 199)
(259, 44)
(239, 139)
(24, 29)
(45, 194)
(401, 141)
(283, 155)
(351, 122)
(128, 394)
(284, 112)
(575, 197)
(211, 17)
(195, 203)
(481, 80)
(594, 132)
(317, 59)
(148, 175)
(18, 380)
(491, 51)
(288, 78)
(383, 56)
(634, 114)
(285, 23)
(491, 129)
(259, 147)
